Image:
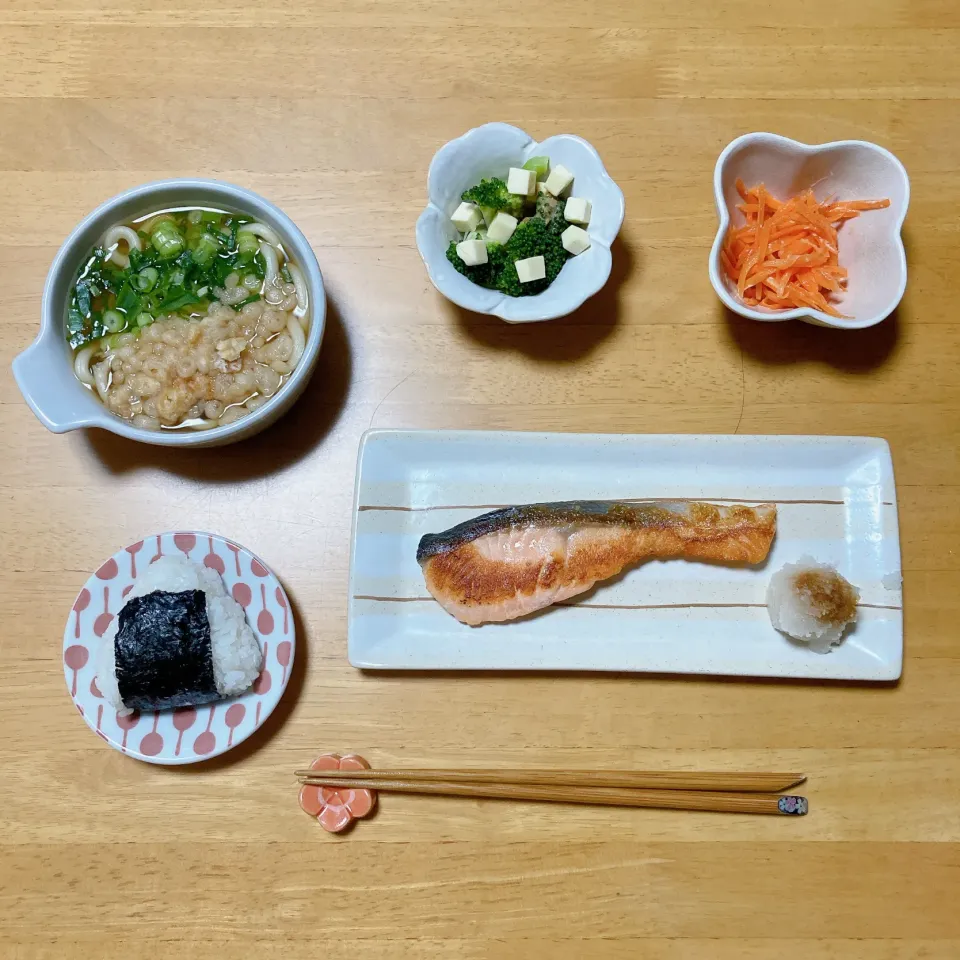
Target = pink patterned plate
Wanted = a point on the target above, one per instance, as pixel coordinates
(190, 734)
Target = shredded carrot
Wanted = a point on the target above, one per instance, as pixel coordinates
(785, 254)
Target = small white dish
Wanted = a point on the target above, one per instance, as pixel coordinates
(870, 245)
(188, 734)
(836, 501)
(488, 151)
(44, 371)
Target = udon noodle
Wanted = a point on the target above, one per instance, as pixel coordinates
(188, 319)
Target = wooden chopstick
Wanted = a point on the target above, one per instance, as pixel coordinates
(716, 780)
(572, 793)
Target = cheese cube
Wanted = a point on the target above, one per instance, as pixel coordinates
(577, 210)
(472, 252)
(466, 217)
(533, 268)
(542, 187)
(501, 228)
(575, 240)
(523, 182)
(560, 178)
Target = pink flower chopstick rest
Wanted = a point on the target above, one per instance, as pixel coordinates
(336, 808)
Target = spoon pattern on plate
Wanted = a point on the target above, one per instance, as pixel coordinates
(133, 550)
(263, 682)
(185, 542)
(75, 658)
(206, 743)
(183, 720)
(213, 560)
(282, 600)
(264, 617)
(152, 743)
(126, 724)
(79, 605)
(103, 621)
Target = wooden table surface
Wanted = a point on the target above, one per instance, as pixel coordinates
(333, 110)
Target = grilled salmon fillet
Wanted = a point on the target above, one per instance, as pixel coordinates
(512, 562)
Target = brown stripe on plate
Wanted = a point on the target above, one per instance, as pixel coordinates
(621, 606)
(502, 506)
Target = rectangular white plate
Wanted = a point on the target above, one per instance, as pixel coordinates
(836, 503)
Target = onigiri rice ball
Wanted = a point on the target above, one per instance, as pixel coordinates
(235, 652)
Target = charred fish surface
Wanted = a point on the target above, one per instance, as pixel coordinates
(512, 562)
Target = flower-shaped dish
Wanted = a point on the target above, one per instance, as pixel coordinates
(488, 151)
(335, 808)
(870, 245)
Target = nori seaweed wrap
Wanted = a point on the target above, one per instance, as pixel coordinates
(164, 652)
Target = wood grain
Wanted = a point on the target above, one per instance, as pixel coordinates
(333, 110)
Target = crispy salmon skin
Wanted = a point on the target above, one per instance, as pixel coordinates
(512, 562)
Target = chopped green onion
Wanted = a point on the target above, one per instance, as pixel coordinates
(166, 239)
(176, 301)
(127, 300)
(540, 165)
(206, 249)
(186, 255)
(247, 243)
(146, 279)
(114, 321)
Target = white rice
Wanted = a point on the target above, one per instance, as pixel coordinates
(795, 611)
(236, 654)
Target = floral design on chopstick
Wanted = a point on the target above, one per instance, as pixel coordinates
(336, 809)
(796, 806)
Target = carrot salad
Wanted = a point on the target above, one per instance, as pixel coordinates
(785, 255)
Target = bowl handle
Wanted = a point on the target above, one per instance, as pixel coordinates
(58, 405)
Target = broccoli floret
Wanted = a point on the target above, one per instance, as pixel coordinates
(497, 257)
(493, 193)
(533, 237)
(509, 283)
(528, 239)
(479, 274)
(483, 274)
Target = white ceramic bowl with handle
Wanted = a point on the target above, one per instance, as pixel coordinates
(44, 371)
(870, 245)
(488, 151)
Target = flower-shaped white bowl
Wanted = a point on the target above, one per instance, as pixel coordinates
(44, 371)
(488, 151)
(870, 245)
